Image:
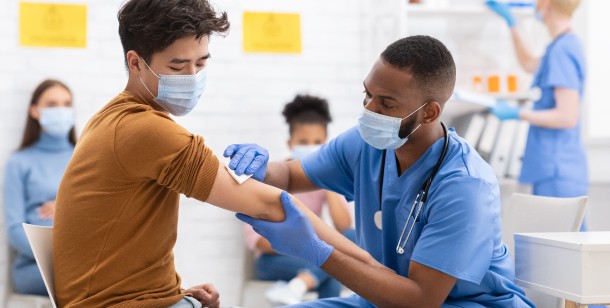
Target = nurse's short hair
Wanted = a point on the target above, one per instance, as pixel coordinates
(565, 7)
(430, 63)
(150, 26)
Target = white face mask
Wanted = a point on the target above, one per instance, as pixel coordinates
(178, 94)
(56, 121)
(300, 151)
(381, 131)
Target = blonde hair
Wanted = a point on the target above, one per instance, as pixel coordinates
(566, 7)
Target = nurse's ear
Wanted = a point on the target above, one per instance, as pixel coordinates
(431, 112)
(134, 63)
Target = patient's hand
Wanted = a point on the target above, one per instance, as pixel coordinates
(206, 294)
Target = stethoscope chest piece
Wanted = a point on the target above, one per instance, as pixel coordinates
(377, 219)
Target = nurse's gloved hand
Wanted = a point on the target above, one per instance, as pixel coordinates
(250, 159)
(503, 10)
(504, 111)
(294, 236)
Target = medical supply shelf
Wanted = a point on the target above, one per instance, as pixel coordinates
(500, 143)
(423, 10)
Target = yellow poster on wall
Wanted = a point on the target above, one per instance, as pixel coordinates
(272, 32)
(52, 25)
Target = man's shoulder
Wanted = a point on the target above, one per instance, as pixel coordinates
(124, 111)
(465, 163)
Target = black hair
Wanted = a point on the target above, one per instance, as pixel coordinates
(429, 61)
(306, 109)
(150, 26)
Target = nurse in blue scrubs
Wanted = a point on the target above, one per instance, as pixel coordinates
(446, 251)
(554, 162)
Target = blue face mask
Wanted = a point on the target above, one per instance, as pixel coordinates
(56, 121)
(381, 131)
(300, 151)
(178, 94)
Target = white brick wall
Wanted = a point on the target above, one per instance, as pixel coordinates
(243, 103)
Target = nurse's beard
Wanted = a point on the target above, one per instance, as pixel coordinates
(407, 128)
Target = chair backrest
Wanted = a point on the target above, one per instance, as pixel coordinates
(41, 241)
(529, 213)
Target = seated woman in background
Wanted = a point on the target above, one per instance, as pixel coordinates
(33, 174)
(308, 119)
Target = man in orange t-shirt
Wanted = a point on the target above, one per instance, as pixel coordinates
(117, 205)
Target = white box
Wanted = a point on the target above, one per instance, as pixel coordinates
(570, 265)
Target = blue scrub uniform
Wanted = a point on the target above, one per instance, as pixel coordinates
(554, 161)
(458, 231)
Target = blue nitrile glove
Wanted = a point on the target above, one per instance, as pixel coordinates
(504, 111)
(503, 10)
(248, 159)
(294, 236)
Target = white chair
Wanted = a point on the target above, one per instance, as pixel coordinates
(8, 297)
(529, 213)
(41, 241)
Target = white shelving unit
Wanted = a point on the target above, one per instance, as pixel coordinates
(452, 10)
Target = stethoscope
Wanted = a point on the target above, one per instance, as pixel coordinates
(420, 199)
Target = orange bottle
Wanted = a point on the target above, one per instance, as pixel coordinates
(512, 83)
(493, 84)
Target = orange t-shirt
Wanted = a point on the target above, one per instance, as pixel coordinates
(117, 207)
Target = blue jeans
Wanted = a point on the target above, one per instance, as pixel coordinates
(280, 267)
(187, 302)
(27, 278)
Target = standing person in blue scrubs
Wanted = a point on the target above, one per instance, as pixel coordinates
(443, 252)
(33, 174)
(554, 162)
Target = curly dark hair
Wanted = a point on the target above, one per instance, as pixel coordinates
(150, 26)
(429, 61)
(307, 109)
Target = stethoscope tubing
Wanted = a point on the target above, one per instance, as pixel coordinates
(421, 197)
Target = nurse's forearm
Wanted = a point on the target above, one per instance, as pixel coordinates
(278, 175)
(387, 289)
(547, 118)
(288, 176)
(565, 114)
(527, 60)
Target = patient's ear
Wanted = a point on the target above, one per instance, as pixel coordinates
(134, 62)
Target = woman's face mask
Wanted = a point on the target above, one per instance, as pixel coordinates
(178, 94)
(56, 121)
(381, 131)
(300, 151)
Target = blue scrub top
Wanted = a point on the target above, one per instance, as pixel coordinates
(556, 153)
(458, 231)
